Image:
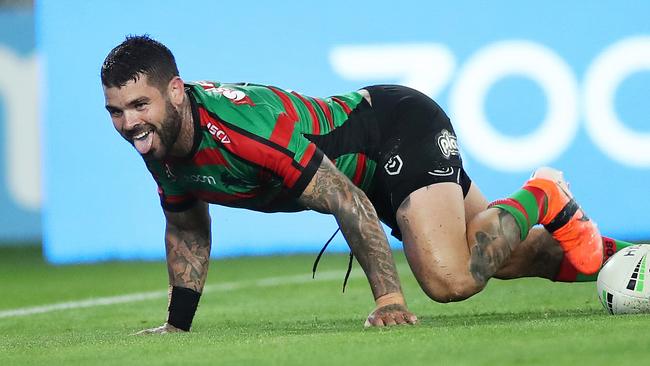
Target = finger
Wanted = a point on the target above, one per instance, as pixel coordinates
(411, 318)
(400, 318)
(389, 320)
(373, 321)
(379, 322)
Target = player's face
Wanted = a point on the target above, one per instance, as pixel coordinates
(144, 116)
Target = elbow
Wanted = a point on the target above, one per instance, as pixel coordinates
(355, 205)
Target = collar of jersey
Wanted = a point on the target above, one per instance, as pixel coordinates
(198, 136)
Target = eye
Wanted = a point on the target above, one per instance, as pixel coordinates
(140, 106)
(115, 113)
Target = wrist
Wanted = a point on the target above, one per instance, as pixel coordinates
(390, 299)
(183, 303)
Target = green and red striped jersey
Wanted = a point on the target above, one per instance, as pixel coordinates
(257, 147)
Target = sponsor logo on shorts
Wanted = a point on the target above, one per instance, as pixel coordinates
(447, 144)
(394, 165)
(444, 172)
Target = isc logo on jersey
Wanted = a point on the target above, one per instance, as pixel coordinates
(219, 134)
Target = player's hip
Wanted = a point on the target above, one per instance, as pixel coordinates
(418, 147)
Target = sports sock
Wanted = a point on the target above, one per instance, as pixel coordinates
(568, 272)
(526, 205)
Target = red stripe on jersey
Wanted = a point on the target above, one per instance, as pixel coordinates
(326, 110)
(177, 199)
(343, 105)
(220, 197)
(283, 130)
(315, 125)
(309, 153)
(286, 122)
(210, 156)
(256, 151)
(358, 173)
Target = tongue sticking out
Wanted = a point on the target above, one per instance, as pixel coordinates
(144, 145)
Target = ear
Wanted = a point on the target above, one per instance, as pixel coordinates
(176, 91)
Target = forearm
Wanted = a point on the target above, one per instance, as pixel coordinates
(331, 192)
(367, 240)
(188, 257)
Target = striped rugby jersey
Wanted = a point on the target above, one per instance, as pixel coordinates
(257, 147)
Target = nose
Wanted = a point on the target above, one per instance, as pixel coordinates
(131, 120)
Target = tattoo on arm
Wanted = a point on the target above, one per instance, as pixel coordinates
(493, 247)
(332, 192)
(187, 241)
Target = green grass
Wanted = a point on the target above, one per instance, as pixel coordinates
(523, 322)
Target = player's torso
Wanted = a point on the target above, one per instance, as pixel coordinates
(245, 129)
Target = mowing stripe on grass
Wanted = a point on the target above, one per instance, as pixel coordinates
(143, 296)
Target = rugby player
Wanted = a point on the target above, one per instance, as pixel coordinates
(384, 153)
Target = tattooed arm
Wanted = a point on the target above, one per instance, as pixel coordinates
(187, 241)
(332, 192)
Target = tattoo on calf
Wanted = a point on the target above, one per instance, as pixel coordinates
(332, 192)
(493, 247)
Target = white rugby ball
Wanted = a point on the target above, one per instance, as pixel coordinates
(624, 281)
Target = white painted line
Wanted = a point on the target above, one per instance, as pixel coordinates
(143, 296)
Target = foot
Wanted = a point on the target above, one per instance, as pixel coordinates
(567, 222)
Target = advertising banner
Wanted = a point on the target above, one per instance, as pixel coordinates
(526, 84)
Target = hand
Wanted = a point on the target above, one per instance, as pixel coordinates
(391, 310)
(163, 329)
(388, 315)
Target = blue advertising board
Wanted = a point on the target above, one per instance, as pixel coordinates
(526, 84)
(20, 143)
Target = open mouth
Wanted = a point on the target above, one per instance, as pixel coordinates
(143, 141)
(141, 135)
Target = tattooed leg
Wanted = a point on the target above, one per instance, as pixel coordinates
(491, 243)
(539, 255)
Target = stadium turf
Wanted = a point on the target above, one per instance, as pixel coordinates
(289, 319)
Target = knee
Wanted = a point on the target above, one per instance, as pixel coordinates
(452, 289)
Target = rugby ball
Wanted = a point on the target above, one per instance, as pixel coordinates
(624, 281)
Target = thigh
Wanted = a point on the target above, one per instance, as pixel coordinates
(433, 226)
(475, 203)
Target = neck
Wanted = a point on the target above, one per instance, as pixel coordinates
(185, 140)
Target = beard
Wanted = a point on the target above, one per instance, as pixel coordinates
(170, 127)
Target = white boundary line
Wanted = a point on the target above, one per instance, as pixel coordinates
(143, 296)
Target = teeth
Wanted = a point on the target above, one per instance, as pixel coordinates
(141, 135)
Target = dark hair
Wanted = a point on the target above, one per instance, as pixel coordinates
(136, 56)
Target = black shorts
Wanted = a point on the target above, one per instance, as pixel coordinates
(417, 148)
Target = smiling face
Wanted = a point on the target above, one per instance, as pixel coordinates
(144, 116)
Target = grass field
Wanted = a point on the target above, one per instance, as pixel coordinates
(267, 311)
